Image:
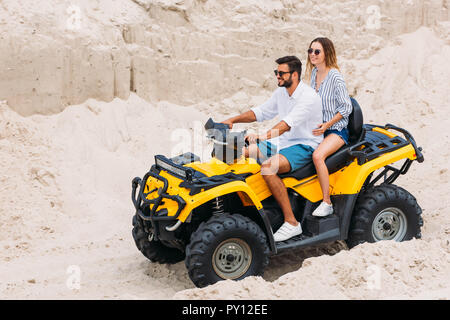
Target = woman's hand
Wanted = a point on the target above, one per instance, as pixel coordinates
(321, 128)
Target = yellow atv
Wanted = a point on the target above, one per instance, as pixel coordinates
(220, 216)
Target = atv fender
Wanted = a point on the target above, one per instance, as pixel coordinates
(247, 196)
(200, 198)
(353, 177)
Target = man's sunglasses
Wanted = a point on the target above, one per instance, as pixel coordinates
(316, 52)
(281, 73)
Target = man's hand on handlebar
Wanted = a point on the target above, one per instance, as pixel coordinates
(245, 117)
(229, 123)
(252, 138)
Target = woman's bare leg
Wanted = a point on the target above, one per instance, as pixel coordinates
(328, 146)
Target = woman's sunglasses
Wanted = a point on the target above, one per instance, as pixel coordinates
(316, 52)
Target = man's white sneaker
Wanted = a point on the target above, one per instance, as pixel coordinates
(323, 210)
(287, 231)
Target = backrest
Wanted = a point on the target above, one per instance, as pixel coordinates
(355, 123)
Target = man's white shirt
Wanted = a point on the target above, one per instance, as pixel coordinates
(302, 112)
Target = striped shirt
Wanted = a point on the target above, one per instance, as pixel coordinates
(335, 97)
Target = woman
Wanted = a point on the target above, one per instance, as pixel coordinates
(323, 72)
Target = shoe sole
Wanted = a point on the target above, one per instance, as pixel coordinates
(316, 215)
(289, 237)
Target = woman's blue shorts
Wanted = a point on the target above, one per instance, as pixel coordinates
(341, 133)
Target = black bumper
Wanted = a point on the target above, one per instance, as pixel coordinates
(140, 201)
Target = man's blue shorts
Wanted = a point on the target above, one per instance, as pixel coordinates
(298, 155)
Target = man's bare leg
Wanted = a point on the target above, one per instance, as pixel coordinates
(269, 170)
(253, 151)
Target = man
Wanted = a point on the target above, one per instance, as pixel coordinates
(299, 109)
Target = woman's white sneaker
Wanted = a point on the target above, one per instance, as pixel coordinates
(287, 231)
(323, 210)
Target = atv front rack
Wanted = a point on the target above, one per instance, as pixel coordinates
(141, 198)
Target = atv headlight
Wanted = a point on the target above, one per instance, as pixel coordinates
(169, 166)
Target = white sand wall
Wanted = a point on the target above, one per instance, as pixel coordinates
(60, 53)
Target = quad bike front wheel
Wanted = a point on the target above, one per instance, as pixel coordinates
(226, 247)
(385, 212)
(153, 250)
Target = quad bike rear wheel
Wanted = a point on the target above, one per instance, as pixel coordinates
(226, 247)
(153, 250)
(385, 212)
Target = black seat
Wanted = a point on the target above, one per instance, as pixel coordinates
(340, 158)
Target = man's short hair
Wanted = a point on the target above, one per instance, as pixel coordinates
(293, 63)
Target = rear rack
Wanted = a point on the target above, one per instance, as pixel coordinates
(376, 144)
(409, 137)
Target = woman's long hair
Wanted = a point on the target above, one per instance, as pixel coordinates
(330, 56)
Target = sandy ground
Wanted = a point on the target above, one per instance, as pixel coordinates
(77, 124)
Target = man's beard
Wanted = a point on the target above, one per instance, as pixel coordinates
(286, 83)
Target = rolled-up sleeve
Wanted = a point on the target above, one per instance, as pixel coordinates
(267, 110)
(343, 103)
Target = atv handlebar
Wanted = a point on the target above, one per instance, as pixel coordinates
(227, 145)
(220, 132)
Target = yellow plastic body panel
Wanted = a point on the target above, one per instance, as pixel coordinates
(354, 175)
(216, 167)
(236, 186)
(211, 168)
(308, 188)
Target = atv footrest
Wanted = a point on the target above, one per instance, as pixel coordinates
(293, 240)
(304, 241)
(316, 225)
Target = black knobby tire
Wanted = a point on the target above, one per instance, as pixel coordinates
(376, 208)
(206, 261)
(153, 250)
